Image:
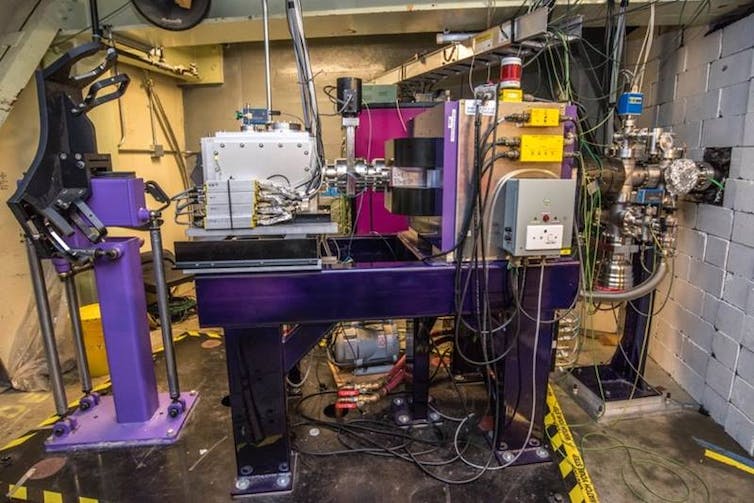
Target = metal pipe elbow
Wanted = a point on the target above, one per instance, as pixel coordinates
(634, 293)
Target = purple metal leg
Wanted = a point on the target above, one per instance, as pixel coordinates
(123, 306)
(136, 414)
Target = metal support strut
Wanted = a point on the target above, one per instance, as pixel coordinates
(46, 327)
(71, 295)
(267, 74)
(155, 236)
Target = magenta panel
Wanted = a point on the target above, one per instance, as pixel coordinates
(376, 127)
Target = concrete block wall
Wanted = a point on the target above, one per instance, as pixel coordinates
(700, 84)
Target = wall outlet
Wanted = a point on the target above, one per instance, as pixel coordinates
(544, 237)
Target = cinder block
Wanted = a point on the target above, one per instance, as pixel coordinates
(702, 48)
(715, 404)
(731, 69)
(734, 100)
(736, 290)
(747, 339)
(690, 133)
(730, 321)
(729, 196)
(670, 314)
(665, 88)
(709, 278)
(681, 266)
(741, 428)
(701, 332)
(743, 228)
(691, 82)
(745, 366)
(692, 242)
(723, 131)
(689, 380)
(670, 113)
(737, 36)
(688, 295)
(716, 251)
(743, 195)
(725, 350)
(695, 355)
(719, 377)
(741, 192)
(710, 307)
(664, 45)
(686, 213)
(742, 162)
(740, 260)
(748, 136)
(702, 106)
(742, 397)
(661, 354)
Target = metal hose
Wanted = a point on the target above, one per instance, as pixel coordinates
(634, 293)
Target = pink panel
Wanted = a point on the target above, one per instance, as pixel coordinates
(375, 128)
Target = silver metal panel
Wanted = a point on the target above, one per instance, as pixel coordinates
(602, 410)
(292, 229)
(284, 157)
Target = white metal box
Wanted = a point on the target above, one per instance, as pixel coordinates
(535, 217)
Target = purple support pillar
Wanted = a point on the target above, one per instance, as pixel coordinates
(124, 320)
(449, 176)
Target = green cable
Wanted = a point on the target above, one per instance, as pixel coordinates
(669, 464)
(717, 184)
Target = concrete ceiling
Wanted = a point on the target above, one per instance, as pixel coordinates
(239, 20)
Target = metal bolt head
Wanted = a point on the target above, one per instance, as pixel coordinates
(534, 442)
(77, 156)
(434, 416)
(243, 483)
(314, 432)
(398, 401)
(403, 419)
(541, 452)
(283, 480)
(247, 470)
(171, 432)
(63, 156)
(508, 456)
(283, 467)
(80, 164)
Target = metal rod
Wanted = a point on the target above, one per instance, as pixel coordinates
(617, 55)
(71, 295)
(163, 308)
(94, 15)
(46, 327)
(267, 75)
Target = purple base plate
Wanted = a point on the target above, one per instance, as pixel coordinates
(97, 427)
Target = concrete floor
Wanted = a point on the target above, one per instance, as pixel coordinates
(655, 439)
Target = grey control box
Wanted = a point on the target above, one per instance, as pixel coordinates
(535, 217)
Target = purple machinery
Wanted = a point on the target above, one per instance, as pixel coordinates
(390, 277)
(65, 202)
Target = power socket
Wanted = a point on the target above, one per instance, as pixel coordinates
(544, 237)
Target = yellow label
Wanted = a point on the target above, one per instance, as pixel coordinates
(544, 117)
(541, 148)
(512, 95)
(565, 251)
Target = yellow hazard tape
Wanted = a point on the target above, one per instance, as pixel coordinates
(30, 493)
(572, 463)
(728, 461)
(17, 442)
(52, 497)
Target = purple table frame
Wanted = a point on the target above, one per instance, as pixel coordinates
(252, 307)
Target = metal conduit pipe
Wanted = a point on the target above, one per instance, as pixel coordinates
(634, 293)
